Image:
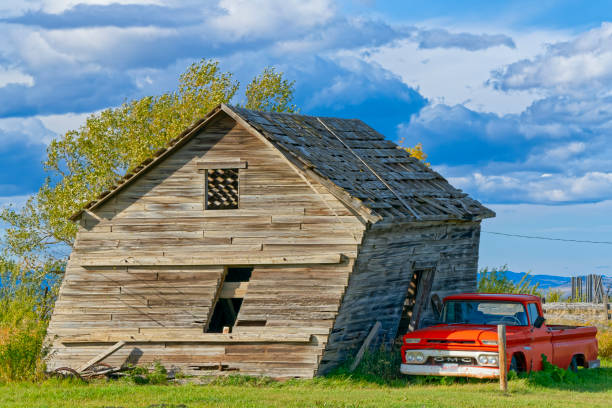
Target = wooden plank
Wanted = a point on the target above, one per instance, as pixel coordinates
(230, 163)
(365, 345)
(234, 290)
(236, 259)
(186, 338)
(101, 356)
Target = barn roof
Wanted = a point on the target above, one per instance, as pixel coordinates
(373, 173)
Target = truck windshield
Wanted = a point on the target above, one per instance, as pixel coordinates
(484, 312)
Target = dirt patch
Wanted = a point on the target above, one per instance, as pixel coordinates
(4, 335)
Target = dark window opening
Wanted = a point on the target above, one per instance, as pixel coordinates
(251, 323)
(230, 299)
(224, 315)
(238, 274)
(222, 189)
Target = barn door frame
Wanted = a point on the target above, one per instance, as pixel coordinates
(423, 294)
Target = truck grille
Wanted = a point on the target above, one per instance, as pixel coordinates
(454, 360)
(445, 341)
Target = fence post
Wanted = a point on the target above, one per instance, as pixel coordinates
(501, 348)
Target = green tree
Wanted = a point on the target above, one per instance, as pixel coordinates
(496, 281)
(84, 162)
(270, 92)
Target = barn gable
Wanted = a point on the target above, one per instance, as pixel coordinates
(150, 263)
(369, 174)
(297, 233)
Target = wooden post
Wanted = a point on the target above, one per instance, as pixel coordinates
(365, 345)
(501, 347)
(101, 356)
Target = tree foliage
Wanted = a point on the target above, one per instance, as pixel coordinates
(416, 151)
(26, 298)
(270, 92)
(84, 162)
(496, 281)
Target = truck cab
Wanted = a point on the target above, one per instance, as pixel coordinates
(465, 341)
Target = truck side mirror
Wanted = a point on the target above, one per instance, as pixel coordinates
(539, 321)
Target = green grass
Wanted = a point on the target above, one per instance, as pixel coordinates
(594, 389)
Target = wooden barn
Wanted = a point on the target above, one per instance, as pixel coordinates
(263, 244)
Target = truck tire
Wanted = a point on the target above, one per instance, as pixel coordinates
(516, 364)
(574, 364)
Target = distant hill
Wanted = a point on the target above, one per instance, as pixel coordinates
(546, 282)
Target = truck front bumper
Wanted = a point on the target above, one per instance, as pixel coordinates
(451, 363)
(450, 370)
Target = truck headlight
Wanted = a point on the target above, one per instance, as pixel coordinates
(488, 360)
(412, 341)
(415, 357)
(490, 342)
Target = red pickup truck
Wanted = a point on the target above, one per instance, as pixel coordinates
(465, 343)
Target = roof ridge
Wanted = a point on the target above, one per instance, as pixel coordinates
(329, 158)
(235, 107)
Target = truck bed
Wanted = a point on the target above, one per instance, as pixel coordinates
(563, 329)
(562, 326)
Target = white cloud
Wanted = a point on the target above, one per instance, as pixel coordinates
(535, 187)
(256, 18)
(82, 48)
(31, 130)
(558, 153)
(581, 64)
(13, 76)
(458, 76)
(16, 7)
(14, 201)
(442, 38)
(60, 124)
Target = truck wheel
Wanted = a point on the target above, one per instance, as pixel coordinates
(574, 364)
(515, 364)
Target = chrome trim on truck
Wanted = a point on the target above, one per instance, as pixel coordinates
(451, 353)
(457, 371)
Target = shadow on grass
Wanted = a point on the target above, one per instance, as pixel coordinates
(585, 380)
(381, 367)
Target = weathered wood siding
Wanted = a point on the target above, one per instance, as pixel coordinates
(155, 262)
(377, 288)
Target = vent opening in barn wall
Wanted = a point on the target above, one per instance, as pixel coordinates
(292, 232)
(231, 296)
(222, 189)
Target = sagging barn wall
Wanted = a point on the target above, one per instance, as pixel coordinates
(379, 286)
(148, 265)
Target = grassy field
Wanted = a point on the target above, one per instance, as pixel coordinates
(593, 389)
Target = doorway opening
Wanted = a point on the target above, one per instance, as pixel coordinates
(408, 307)
(417, 299)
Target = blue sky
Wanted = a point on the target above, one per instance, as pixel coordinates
(512, 100)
